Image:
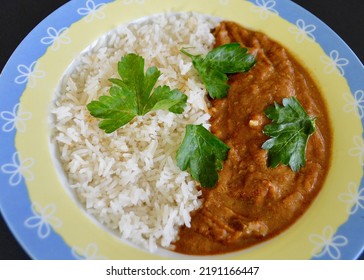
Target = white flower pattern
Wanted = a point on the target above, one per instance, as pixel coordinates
(43, 219)
(92, 11)
(15, 119)
(328, 243)
(264, 7)
(89, 253)
(355, 104)
(333, 62)
(303, 31)
(354, 198)
(29, 74)
(18, 169)
(358, 150)
(56, 38)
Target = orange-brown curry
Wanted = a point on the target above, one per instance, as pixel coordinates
(252, 202)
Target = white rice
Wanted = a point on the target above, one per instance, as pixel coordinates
(129, 179)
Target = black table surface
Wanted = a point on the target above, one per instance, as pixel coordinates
(19, 17)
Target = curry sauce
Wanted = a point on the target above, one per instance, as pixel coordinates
(251, 201)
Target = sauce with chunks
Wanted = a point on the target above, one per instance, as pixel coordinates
(251, 201)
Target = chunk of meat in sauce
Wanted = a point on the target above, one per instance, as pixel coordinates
(252, 202)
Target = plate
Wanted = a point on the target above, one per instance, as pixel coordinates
(42, 212)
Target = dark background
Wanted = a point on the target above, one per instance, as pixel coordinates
(19, 17)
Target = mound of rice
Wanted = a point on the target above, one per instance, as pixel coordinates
(129, 179)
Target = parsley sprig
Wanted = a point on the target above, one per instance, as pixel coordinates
(132, 95)
(202, 154)
(290, 130)
(223, 60)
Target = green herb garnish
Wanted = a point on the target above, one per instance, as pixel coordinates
(131, 96)
(225, 59)
(203, 154)
(290, 131)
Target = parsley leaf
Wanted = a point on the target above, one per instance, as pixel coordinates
(132, 95)
(202, 153)
(225, 59)
(290, 131)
